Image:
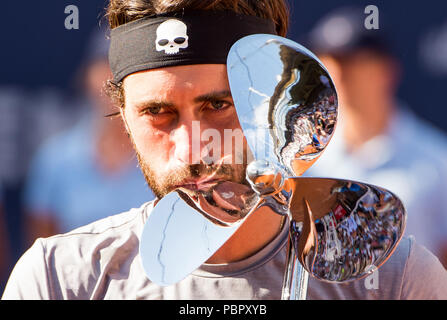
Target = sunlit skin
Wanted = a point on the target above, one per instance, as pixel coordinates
(161, 106)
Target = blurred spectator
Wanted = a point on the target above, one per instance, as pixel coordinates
(43, 113)
(433, 50)
(378, 139)
(89, 171)
(5, 256)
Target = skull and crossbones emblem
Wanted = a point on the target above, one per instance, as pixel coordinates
(171, 36)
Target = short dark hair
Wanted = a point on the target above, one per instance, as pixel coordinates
(120, 12)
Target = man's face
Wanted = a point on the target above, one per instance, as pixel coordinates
(180, 120)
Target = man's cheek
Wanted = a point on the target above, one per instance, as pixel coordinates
(150, 143)
(150, 155)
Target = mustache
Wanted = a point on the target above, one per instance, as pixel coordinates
(182, 174)
(197, 170)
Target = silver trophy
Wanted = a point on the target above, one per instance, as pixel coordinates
(339, 230)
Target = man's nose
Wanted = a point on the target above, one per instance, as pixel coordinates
(187, 144)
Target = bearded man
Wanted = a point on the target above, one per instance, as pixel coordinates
(168, 61)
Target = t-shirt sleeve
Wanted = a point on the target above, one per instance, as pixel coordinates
(424, 276)
(29, 278)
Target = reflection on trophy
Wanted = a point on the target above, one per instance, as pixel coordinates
(339, 230)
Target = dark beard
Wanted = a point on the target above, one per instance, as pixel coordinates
(161, 186)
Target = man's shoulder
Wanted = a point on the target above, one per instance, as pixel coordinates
(72, 265)
(112, 226)
(412, 272)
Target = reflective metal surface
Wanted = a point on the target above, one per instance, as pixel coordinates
(225, 204)
(285, 100)
(296, 277)
(343, 230)
(287, 107)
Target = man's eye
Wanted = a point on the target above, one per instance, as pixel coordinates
(153, 110)
(218, 105)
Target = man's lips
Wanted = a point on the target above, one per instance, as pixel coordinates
(230, 202)
(201, 184)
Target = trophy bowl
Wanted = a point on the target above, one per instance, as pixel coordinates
(286, 103)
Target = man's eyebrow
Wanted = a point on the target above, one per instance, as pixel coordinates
(213, 96)
(153, 104)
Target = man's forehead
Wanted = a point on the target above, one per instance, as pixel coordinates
(199, 79)
(189, 70)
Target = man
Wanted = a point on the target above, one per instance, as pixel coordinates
(379, 140)
(162, 93)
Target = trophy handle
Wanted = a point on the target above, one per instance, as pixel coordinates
(302, 237)
(296, 278)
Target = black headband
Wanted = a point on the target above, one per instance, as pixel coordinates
(179, 39)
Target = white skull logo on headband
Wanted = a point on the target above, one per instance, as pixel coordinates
(171, 36)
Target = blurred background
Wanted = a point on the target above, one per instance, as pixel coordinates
(63, 165)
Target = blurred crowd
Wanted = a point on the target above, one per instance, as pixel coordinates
(378, 139)
(64, 164)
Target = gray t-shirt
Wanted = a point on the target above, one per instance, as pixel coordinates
(101, 261)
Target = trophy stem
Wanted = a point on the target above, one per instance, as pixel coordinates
(295, 278)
